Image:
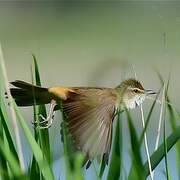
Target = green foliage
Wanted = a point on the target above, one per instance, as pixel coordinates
(7, 155)
(173, 120)
(41, 110)
(41, 136)
(148, 118)
(116, 157)
(159, 154)
(37, 151)
(40, 165)
(137, 169)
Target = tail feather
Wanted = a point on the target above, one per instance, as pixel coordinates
(27, 86)
(27, 94)
(18, 92)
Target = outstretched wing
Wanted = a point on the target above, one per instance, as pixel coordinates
(90, 112)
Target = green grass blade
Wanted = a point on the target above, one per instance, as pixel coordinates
(102, 168)
(4, 118)
(137, 169)
(6, 135)
(3, 164)
(165, 150)
(6, 138)
(148, 119)
(159, 154)
(173, 122)
(172, 115)
(116, 157)
(9, 157)
(37, 152)
(78, 175)
(164, 135)
(5, 84)
(5, 122)
(34, 171)
(43, 134)
(34, 168)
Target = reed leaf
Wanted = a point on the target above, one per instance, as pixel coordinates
(37, 152)
(41, 109)
(148, 118)
(115, 166)
(173, 121)
(10, 159)
(159, 154)
(137, 169)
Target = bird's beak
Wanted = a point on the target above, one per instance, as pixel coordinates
(149, 92)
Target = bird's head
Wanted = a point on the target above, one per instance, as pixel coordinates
(133, 93)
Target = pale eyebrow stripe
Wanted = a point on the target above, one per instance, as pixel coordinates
(136, 89)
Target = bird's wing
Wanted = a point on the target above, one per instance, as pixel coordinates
(90, 113)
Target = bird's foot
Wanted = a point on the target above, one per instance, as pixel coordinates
(47, 122)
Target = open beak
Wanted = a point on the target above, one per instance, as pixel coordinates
(149, 92)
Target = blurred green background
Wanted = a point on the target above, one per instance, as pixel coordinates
(94, 44)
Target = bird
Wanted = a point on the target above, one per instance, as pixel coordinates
(90, 111)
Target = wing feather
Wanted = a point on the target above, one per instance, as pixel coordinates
(90, 113)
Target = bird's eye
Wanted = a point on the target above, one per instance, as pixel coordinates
(136, 91)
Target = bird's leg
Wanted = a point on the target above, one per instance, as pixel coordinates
(49, 119)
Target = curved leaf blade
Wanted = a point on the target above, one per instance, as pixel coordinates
(159, 154)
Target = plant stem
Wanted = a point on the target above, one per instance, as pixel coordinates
(160, 120)
(146, 143)
(13, 114)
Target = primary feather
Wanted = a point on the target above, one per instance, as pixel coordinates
(90, 113)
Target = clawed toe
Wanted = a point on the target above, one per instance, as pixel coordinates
(47, 122)
(44, 127)
(42, 117)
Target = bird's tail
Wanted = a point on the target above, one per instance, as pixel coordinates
(26, 94)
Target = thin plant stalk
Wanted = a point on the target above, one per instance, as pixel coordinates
(160, 120)
(145, 135)
(13, 114)
(146, 143)
(165, 147)
(167, 102)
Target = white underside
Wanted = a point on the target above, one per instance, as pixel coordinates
(134, 102)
